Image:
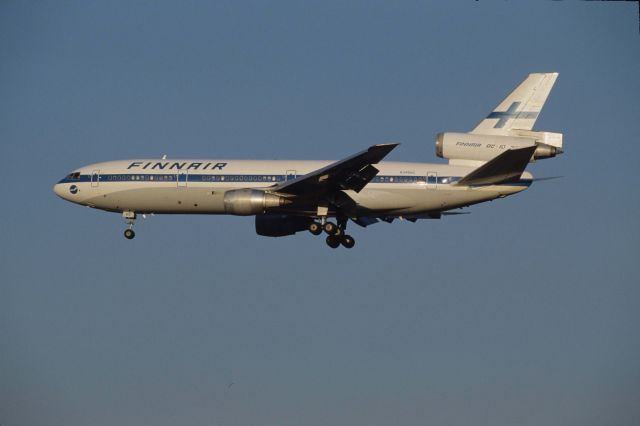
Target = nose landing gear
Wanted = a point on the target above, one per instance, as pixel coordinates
(130, 218)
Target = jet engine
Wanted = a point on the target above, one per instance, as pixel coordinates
(280, 225)
(245, 202)
(471, 146)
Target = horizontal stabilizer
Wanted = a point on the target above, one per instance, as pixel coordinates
(541, 179)
(506, 167)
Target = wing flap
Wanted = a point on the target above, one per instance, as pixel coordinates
(358, 180)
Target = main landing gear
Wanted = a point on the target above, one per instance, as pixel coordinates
(130, 218)
(335, 233)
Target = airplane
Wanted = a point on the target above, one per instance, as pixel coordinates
(287, 197)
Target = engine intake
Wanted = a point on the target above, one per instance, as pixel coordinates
(246, 202)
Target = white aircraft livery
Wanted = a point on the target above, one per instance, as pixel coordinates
(291, 196)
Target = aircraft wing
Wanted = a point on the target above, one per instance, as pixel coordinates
(354, 173)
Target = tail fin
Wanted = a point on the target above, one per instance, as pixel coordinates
(521, 108)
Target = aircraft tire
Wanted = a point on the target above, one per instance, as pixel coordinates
(333, 241)
(348, 241)
(330, 228)
(129, 234)
(315, 228)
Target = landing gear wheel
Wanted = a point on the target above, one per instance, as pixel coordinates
(339, 232)
(315, 228)
(330, 228)
(129, 217)
(333, 241)
(348, 241)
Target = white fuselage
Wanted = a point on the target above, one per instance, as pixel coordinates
(198, 186)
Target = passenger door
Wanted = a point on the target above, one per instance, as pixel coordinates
(183, 178)
(95, 178)
(432, 180)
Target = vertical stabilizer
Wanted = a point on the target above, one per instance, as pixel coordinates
(521, 108)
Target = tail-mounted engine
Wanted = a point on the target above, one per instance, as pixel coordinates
(471, 146)
(245, 202)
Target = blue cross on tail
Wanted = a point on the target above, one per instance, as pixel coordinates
(511, 113)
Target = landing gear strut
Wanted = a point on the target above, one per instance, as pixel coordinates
(130, 218)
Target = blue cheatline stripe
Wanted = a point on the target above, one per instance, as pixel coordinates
(163, 178)
(174, 177)
(135, 177)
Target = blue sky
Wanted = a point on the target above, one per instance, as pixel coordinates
(524, 312)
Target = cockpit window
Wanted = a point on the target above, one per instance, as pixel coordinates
(74, 176)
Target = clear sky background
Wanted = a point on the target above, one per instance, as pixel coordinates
(525, 312)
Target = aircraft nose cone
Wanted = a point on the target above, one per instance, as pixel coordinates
(60, 190)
